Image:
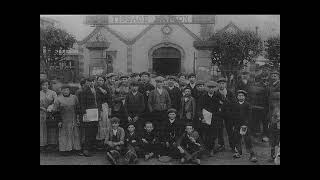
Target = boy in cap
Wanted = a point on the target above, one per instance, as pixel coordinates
(159, 102)
(200, 91)
(226, 99)
(149, 141)
(135, 105)
(170, 132)
(114, 141)
(132, 144)
(241, 113)
(135, 77)
(207, 111)
(190, 145)
(188, 106)
(174, 93)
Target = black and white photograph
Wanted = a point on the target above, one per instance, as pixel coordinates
(181, 89)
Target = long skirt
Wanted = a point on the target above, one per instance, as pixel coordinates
(43, 129)
(69, 137)
(104, 123)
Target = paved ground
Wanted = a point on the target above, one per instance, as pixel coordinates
(222, 158)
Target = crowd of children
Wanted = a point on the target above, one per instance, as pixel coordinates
(178, 117)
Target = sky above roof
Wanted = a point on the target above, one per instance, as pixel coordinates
(268, 25)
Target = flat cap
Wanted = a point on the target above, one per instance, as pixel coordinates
(192, 74)
(245, 73)
(124, 76)
(159, 79)
(172, 77)
(110, 75)
(134, 75)
(172, 110)
(65, 86)
(222, 79)
(90, 79)
(275, 72)
(211, 84)
(242, 91)
(145, 73)
(115, 120)
(200, 82)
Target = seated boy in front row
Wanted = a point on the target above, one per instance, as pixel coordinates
(150, 141)
(114, 141)
(132, 145)
(190, 145)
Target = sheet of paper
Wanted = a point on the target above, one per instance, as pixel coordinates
(207, 116)
(92, 114)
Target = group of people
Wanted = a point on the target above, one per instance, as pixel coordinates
(178, 117)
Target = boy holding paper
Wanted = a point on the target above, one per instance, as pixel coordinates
(208, 108)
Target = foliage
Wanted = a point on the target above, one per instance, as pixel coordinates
(54, 44)
(232, 50)
(273, 51)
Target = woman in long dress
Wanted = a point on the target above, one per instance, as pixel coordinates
(69, 137)
(47, 98)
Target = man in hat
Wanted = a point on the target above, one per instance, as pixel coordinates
(192, 83)
(273, 98)
(174, 93)
(226, 98)
(207, 111)
(135, 77)
(89, 100)
(145, 88)
(244, 82)
(200, 91)
(158, 103)
(135, 105)
(241, 114)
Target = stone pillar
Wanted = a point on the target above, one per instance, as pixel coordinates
(129, 58)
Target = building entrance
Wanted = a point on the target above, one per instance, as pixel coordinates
(166, 61)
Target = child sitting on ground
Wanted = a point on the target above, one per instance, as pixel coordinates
(132, 145)
(190, 145)
(241, 114)
(150, 142)
(114, 141)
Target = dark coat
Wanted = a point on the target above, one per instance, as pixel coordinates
(159, 102)
(143, 88)
(188, 107)
(175, 96)
(208, 103)
(171, 132)
(187, 144)
(135, 105)
(241, 113)
(152, 137)
(129, 138)
(194, 90)
(225, 103)
(88, 100)
(104, 98)
(122, 114)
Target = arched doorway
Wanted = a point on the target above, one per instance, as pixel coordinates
(166, 61)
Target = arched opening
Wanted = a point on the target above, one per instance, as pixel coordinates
(166, 61)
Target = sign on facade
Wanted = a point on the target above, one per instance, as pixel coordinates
(148, 19)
